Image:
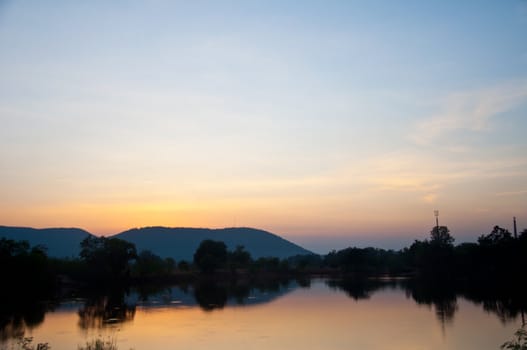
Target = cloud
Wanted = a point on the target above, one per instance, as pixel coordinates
(469, 110)
(430, 198)
(417, 175)
(512, 193)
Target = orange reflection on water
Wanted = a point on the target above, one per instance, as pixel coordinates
(316, 318)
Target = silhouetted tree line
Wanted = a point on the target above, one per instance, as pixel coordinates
(490, 272)
(497, 254)
(365, 261)
(212, 256)
(26, 278)
(24, 269)
(112, 261)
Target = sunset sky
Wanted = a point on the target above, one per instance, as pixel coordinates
(330, 123)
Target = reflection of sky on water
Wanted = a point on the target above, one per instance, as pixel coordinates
(328, 314)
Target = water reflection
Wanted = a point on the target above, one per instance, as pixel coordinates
(18, 314)
(437, 294)
(107, 309)
(210, 294)
(361, 288)
(502, 299)
(507, 302)
(100, 311)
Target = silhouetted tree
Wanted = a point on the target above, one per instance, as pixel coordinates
(24, 269)
(239, 258)
(522, 246)
(434, 257)
(498, 236)
(523, 235)
(108, 258)
(149, 264)
(183, 265)
(415, 254)
(467, 258)
(306, 261)
(210, 255)
(268, 264)
(441, 236)
(170, 264)
(368, 260)
(500, 252)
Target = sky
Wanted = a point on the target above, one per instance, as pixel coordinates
(330, 123)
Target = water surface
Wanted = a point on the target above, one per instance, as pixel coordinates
(317, 314)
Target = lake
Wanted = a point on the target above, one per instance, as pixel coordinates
(297, 314)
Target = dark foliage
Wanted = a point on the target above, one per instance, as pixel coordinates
(210, 255)
(305, 262)
(496, 254)
(270, 265)
(183, 265)
(365, 261)
(108, 259)
(25, 270)
(27, 279)
(239, 258)
(149, 265)
(440, 236)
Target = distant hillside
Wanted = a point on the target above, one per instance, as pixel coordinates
(178, 243)
(181, 243)
(60, 242)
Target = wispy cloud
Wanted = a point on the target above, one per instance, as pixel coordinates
(512, 193)
(469, 110)
(417, 175)
(430, 198)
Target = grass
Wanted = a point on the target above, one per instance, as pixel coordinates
(99, 344)
(519, 343)
(26, 343)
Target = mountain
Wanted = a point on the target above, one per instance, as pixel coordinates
(178, 243)
(60, 242)
(181, 243)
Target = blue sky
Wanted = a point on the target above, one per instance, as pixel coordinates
(331, 123)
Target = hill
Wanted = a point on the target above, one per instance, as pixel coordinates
(181, 243)
(60, 242)
(178, 243)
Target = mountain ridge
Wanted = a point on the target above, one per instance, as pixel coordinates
(179, 243)
(60, 242)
